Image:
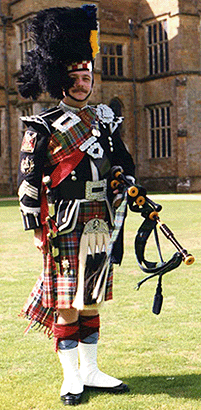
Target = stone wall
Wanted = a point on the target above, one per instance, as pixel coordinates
(180, 86)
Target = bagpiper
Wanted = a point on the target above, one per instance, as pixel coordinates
(65, 194)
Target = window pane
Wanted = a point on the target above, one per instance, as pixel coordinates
(152, 118)
(165, 29)
(167, 56)
(112, 66)
(156, 59)
(120, 67)
(169, 142)
(25, 30)
(168, 115)
(112, 51)
(162, 117)
(21, 32)
(161, 59)
(152, 144)
(163, 143)
(157, 117)
(158, 143)
(160, 32)
(150, 62)
(105, 49)
(119, 50)
(150, 34)
(155, 33)
(104, 66)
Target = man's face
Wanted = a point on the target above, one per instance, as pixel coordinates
(82, 86)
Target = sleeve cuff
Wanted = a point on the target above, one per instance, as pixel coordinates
(31, 220)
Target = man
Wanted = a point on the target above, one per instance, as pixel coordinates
(76, 145)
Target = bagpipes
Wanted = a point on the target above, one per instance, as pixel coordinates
(138, 201)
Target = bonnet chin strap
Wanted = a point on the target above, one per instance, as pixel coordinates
(139, 202)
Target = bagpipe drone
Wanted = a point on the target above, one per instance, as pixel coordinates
(138, 201)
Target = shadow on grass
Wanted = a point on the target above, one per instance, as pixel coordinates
(181, 386)
(5, 202)
(187, 386)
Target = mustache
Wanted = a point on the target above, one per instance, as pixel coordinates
(78, 89)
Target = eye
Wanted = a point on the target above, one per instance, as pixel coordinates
(87, 79)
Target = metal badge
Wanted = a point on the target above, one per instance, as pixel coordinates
(66, 121)
(96, 190)
(27, 165)
(86, 144)
(29, 141)
(95, 129)
(96, 226)
(95, 150)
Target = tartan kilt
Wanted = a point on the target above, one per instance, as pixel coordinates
(55, 290)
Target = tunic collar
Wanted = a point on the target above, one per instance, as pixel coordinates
(66, 107)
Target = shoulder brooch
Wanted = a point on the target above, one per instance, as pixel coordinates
(107, 116)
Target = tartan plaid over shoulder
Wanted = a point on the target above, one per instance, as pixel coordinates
(65, 140)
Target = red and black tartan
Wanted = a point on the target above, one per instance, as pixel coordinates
(55, 290)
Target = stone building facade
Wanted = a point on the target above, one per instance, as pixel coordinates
(148, 70)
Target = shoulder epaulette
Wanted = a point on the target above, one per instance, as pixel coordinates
(43, 121)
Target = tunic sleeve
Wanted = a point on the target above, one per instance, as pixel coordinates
(30, 171)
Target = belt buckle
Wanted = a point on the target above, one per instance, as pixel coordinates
(96, 190)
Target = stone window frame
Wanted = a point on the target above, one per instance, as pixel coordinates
(24, 41)
(157, 47)
(159, 130)
(25, 111)
(112, 58)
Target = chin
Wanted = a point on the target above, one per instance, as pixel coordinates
(80, 97)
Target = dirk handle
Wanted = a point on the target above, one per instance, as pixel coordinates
(48, 182)
(50, 197)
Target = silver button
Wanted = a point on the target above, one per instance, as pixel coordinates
(95, 132)
(74, 178)
(98, 134)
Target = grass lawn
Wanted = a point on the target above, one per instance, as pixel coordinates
(158, 356)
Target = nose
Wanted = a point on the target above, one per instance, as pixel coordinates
(78, 81)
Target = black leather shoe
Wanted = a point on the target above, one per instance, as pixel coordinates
(120, 389)
(70, 399)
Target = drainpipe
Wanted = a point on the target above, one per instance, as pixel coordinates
(132, 35)
(4, 20)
